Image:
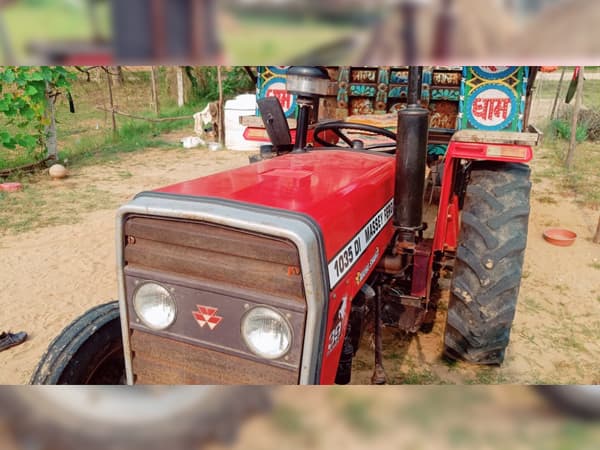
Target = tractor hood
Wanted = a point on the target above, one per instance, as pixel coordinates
(340, 190)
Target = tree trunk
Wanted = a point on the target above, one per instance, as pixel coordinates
(597, 236)
(51, 143)
(111, 100)
(98, 74)
(6, 45)
(180, 87)
(558, 89)
(117, 74)
(155, 101)
(578, 97)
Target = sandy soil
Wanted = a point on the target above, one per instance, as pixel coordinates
(430, 417)
(441, 418)
(556, 332)
(52, 275)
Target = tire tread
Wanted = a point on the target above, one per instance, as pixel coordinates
(485, 288)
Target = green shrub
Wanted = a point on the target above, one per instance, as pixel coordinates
(204, 82)
(591, 119)
(562, 129)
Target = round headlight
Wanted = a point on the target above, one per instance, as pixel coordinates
(266, 332)
(155, 306)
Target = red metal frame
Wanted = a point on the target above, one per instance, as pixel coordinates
(343, 191)
(448, 224)
(448, 220)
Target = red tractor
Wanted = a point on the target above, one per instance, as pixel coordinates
(270, 273)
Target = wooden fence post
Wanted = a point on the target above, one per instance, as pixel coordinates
(180, 87)
(578, 98)
(111, 99)
(155, 101)
(51, 143)
(558, 89)
(221, 112)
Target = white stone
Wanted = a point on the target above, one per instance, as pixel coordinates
(58, 171)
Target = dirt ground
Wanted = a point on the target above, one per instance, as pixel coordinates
(556, 334)
(430, 417)
(53, 274)
(422, 417)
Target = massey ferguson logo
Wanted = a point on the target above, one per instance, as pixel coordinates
(207, 316)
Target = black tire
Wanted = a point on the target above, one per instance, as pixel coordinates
(578, 401)
(178, 418)
(88, 351)
(489, 263)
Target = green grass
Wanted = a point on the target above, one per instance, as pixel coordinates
(245, 39)
(419, 377)
(583, 179)
(562, 129)
(591, 90)
(15, 158)
(288, 419)
(37, 206)
(547, 199)
(49, 21)
(488, 375)
(532, 305)
(266, 39)
(573, 435)
(357, 413)
(561, 288)
(86, 137)
(569, 336)
(132, 135)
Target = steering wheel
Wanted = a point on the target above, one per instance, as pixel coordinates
(338, 125)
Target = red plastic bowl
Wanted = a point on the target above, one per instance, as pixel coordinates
(11, 187)
(560, 236)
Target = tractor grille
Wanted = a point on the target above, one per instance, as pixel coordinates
(211, 252)
(164, 361)
(218, 267)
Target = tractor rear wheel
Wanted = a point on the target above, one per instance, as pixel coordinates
(489, 263)
(88, 351)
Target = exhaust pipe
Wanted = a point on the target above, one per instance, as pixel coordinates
(411, 155)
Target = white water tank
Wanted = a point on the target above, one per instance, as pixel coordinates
(242, 105)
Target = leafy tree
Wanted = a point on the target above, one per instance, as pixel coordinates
(26, 98)
(205, 87)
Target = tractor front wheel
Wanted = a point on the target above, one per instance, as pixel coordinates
(489, 263)
(88, 351)
(120, 418)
